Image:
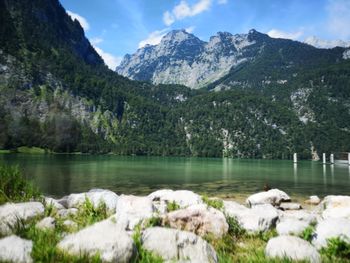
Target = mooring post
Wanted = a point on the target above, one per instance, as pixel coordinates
(332, 158)
(324, 158)
(295, 158)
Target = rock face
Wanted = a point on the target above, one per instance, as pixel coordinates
(15, 249)
(182, 58)
(106, 238)
(183, 198)
(291, 227)
(96, 196)
(132, 210)
(198, 219)
(176, 245)
(291, 247)
(10, 213)
(336, 206)
(331, 228)
(273, 197)
(46, 223)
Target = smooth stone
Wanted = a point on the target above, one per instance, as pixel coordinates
(69, 224)
(273, 197)
(313, 200)
(291, 247)
(290, 206)
(46, 223)
(96, 197)
(48, 201)
(177, 245)
(200, 219)
(331, 228)
(183, 198)
(336, 206)
(291, 227)
(15, 249)
(10, 213)
(132, 210)
(301, 215)
(106, 238)
(67, 212)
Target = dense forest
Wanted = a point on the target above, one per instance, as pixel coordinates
(57, 94)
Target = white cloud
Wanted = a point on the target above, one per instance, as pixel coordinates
(190, 29)
(110, 60)
(96, 40)
(154, 38)
(83, 22)
(338, 23)
(321, 43)
(275, 33)
(183, 10)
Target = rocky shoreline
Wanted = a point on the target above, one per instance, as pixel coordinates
(175, 225)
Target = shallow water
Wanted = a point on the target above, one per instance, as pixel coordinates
(58, 175)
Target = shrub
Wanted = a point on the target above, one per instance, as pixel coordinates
(88, 214)
(337, 247)
(172, 206)
(215, 203)
(13, 186)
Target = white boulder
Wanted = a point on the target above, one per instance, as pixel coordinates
(290, 206)
(10, 213)
(301, 215)
(313, 200)
(291, 227)
(69, 224)
(331, 228)
(106, 238)
(132, 210)
(53, 202)
(46, 223)
(15, 249)
(199, 219)
(183, 198)
(176, 245)
(96, 197)
(273, 197)
(67, 212)
(291, 247)
(336, 206)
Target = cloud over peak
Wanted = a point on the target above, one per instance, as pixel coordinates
(275, 33)
(83, 22)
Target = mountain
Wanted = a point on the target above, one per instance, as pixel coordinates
(182, 58)
(270, 97)
(320, 43)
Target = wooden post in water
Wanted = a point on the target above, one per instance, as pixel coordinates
(324, 158)
(295, 158)
(332, 158)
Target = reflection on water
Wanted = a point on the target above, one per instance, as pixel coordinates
(62, 174)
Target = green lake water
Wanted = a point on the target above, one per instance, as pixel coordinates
(58, 175)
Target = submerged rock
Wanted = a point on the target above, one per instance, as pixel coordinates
(46, 223)
(132, 210)
(198, 219)
(273, 197)
(176, 245)
(291, 227)
(106, 238)
(331, 228)
(336, 206)
(291, 247)
(183, 198)
(10, 213)
(15, 249)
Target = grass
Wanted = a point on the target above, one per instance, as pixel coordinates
(172, 206)
(153, 221)
(337, 249)
(4, 151)
(30, 150)
(215, 203)
(14, 187)
(308, 233)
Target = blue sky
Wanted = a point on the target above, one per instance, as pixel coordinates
(117, 27)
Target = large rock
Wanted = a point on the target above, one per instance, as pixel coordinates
(54, 203)
(291, 227)
(199, 219)
(132, 210)
(313, 200)
(290, 206)
(331, 228)
(106, 238)
(336, 206)
(176, 245)
(10, 213)
(96, 197)
(273, 197)
(291, 247)
(183, 198)
(46, 223)
(301, 215)
(256, 219)
(15, 249)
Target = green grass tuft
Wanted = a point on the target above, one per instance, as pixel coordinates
(172, 206)
(308, 233)
(215, 203)
(337, 248)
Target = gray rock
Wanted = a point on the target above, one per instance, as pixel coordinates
(273, 197)
(46, 223)
(10, 213)
(70, 224)
(313, 200)
(15, 249)
(331, 228)
(290, 206)
(176, 245)
(132, 210)
(183, 198)
(291, 227)
(67, 212)
(336, 206)
(200, 219)
(53, 202)
(301, 215)
(106, 238)
(291, 247)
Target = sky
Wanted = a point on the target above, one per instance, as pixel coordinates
(118, 27)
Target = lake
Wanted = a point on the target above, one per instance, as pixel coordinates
(58, 175)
